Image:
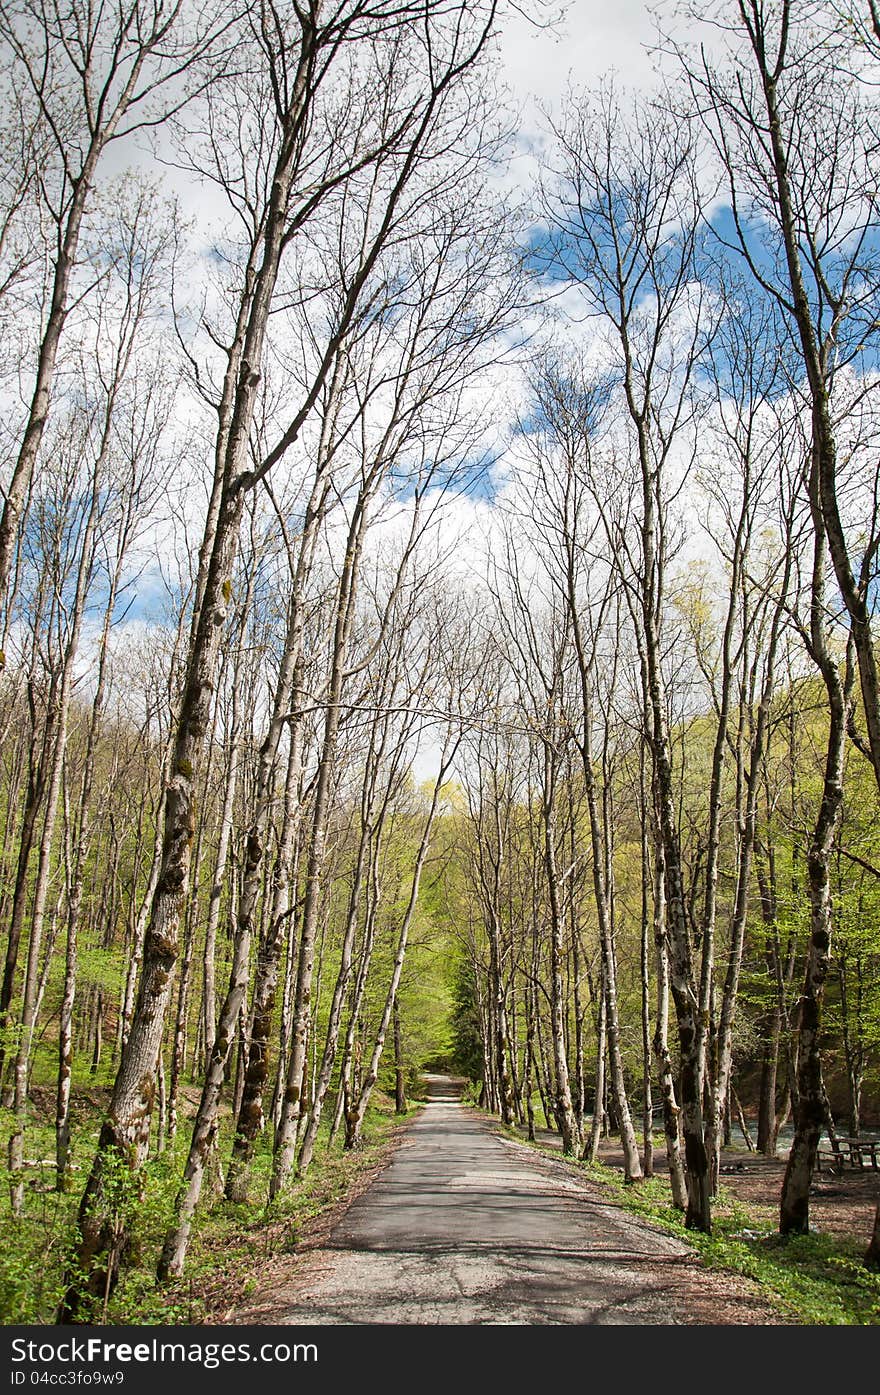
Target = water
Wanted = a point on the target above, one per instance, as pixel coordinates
(786, 1137)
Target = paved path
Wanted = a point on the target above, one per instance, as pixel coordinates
(467, 1227)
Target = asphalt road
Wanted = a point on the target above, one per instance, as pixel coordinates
(467, 1227)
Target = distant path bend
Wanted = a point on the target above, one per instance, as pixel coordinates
(467, 1227)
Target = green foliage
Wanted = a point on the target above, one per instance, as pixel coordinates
(33, 1252)
(229, 1243)
(471, 1093)
(101, 967)
(467, 1054)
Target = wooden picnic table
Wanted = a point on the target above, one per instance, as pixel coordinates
(860, 1153)
(863, 1150)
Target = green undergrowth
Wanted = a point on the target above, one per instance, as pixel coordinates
(817, 1279)
(231, 1243)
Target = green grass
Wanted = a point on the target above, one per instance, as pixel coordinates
(816, 1279)
(230, 1243)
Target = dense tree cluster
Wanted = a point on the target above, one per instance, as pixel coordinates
(259, 557)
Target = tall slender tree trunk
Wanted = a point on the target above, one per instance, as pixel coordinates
(215, 896)
(206, 1123)
(591, 1151)
(601, 835)
(578, 1029)
(645, 974)
(291, 939)
(771, 1018)
(36, 786)
(747, 834)
(852, 1040)
(529, 1063)
(249, 1114)
(500, 1036)
(355, 1116)
(292, 1106)
(809, 1114)
(399, 1072)
(565, 1116)
(370, 841)
(691, 1032)
(347, 1087)
(39, 767)
(77, 880)
(662, 1053)
(59, 727)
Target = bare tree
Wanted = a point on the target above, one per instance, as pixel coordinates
(567, 525)
(797, 147)
(90, 79)
(422, 76)
(120, 325)
(625, 216)
(810, 1113)
(491, 795)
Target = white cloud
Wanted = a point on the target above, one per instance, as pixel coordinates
(596, 39)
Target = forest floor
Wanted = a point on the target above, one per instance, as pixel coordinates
(817, 1278)
(467, 1226)
(840, 1204)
